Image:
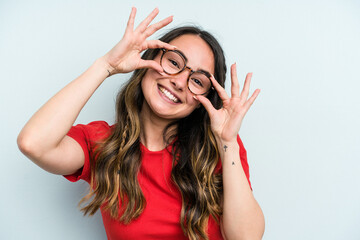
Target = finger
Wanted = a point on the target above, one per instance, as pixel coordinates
(144, 24)
(159, 44)
(130, 24)
(150, 64)
(251, 100)
(235, 88)
(219, 89)
(245, 92)
(155, 27)
(206, 103)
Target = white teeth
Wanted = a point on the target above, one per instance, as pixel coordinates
(169, 95)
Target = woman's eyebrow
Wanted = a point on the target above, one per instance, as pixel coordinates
(182, 54)
(204, 71)
(201, 70)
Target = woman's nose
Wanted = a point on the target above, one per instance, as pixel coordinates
(179, 81)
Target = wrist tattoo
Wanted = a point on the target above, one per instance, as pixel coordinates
(225, 147)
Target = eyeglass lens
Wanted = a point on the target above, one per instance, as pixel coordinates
(173, 63)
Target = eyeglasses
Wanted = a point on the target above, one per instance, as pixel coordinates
(173, 62)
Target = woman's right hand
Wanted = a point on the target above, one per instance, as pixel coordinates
(126, 55)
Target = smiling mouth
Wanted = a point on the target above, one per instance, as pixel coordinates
(168, 95)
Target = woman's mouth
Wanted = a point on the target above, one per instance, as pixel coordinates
(168, 94)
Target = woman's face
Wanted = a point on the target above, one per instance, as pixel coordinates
(168, 96)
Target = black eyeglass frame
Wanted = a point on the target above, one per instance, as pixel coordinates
(186, 67)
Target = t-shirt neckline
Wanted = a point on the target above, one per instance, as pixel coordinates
(167, 148)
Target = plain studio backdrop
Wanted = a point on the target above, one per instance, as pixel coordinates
(301, 134)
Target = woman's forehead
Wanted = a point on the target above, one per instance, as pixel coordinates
(198, 53)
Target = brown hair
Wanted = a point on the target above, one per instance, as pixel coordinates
(195, 154)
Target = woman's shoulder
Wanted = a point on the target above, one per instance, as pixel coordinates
(92, 130)
(98, 124)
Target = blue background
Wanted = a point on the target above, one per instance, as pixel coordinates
(302, 134)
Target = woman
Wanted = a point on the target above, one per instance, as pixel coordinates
(169, 168)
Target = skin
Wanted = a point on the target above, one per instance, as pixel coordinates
(59, 154)
(242, 216)
(158, 111)
(197, 52)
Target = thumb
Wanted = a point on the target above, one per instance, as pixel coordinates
(206, 103)
(150, 64)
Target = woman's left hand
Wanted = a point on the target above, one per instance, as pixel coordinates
(226, 122)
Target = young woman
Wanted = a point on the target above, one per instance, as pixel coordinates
(172, 166)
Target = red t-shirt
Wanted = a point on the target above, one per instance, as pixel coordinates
(161, 216)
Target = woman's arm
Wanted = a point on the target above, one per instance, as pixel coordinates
(43, 139)
(242, 216)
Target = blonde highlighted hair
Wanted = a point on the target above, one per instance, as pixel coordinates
(117, 159)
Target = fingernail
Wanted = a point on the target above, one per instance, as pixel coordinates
(162, 73)
(174, 46)
(195, 98)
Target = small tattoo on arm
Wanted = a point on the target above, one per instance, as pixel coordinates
(225, 147)
(233, 163)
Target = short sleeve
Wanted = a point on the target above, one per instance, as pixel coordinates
(87, 136)
(243, 159)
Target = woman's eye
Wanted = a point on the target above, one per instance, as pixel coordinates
(197, 82)
(174, 63)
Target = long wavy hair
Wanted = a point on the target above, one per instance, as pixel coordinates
(195, 154)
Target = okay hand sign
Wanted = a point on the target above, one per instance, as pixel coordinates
(226, 122)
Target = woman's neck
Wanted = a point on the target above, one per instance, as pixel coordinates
(152, 129)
